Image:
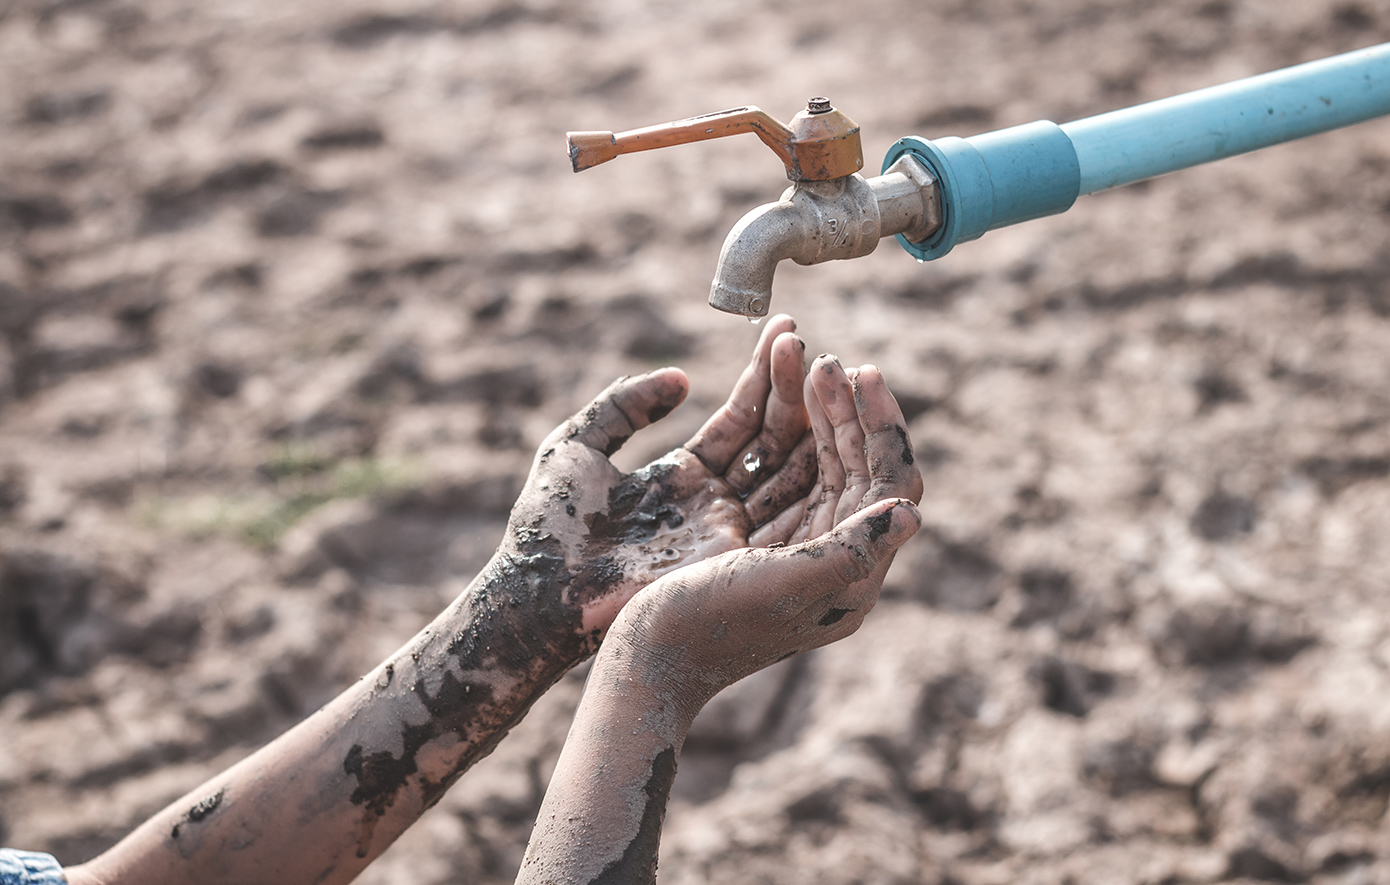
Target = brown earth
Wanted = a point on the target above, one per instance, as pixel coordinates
(290, 291)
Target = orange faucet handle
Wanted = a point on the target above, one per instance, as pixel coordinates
(820, 144)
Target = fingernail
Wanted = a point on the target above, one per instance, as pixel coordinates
(911, 509)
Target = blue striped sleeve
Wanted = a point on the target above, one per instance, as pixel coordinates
(29, 868)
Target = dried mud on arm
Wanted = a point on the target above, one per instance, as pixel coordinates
(321, 802)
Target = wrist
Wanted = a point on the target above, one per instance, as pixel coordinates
(496, 649)
(643, 660)
(519, 601)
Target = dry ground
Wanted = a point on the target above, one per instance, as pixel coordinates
(289, 292)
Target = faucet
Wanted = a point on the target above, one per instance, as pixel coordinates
(935, 194)
(830, 211)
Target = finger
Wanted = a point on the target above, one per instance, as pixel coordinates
(784, 418)
(791, 483)
(820, 511)
(846, 610)
(739, 419)
(782, 528)
(837, 561)
(886, 443)
(625, 407)
(835, 392)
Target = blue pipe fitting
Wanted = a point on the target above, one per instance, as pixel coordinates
(1001, 178)
(993, 180)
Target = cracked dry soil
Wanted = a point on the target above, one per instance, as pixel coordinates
(289, 295)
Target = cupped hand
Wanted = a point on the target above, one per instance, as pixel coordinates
(863, 452)
(710, 624)
(608, 534)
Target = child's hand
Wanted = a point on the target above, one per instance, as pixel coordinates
(720, 620)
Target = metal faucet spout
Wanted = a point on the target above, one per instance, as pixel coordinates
(819, 221)
(743, 279)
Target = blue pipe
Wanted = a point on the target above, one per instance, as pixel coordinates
(1000, 178)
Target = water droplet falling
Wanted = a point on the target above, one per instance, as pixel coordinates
(755, 320)
(751, 462)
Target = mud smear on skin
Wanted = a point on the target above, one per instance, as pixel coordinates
(563, 493)
(199, 812)
(637, 506)
(518, 626)
(834, 616)
(908, 457)
(656, 413)
(880, 524)
(800, 472)
(637, 866)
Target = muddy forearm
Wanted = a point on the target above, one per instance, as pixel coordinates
(327, 797)
(600, 823)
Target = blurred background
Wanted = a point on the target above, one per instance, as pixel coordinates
(289, 292)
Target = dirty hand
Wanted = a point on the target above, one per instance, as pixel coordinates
(732, 615)
(596, 535)
(696, 630)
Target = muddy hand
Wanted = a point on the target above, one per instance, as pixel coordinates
(714, 623)
(696, 630)
(603, 534)
(845, 530)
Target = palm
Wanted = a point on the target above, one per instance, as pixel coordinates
(768, 604)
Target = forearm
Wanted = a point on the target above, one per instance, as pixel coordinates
(602, 815)
(675, 645)
(324, 799)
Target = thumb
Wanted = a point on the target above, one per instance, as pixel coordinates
(851, 551)
(625, 407)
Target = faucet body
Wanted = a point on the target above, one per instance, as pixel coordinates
(817, 221)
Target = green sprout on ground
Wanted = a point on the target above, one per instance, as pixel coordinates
(302, 480)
